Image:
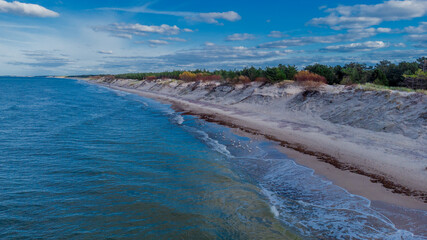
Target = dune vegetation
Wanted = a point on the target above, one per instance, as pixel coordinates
(384, 75)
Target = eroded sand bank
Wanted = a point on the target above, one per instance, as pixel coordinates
(371, 143)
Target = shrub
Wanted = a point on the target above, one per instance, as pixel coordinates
(243, 79)
(204, 77)
(188, 76)
(304, 76)
(346, 81)
(261, 79)
(151, 78)
(416, 81)
(323, 70)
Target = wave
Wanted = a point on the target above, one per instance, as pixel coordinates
(297, 197)
(311, 204)
(210, 142)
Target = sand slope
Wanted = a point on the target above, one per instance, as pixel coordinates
(382, 135)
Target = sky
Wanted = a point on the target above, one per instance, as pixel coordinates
(70, 37)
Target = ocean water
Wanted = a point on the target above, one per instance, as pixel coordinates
(80, 161)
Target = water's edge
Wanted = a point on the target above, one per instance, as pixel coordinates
(272, 192)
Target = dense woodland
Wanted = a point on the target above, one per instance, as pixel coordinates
(403, 74)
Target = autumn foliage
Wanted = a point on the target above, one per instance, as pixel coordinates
(304, 76)
(188, 76)
(261, 79)
(151, 78)
(243, 79)
(207, 77)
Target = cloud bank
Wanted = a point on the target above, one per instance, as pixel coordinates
(351, 35)
(240, 37)
(363, 15)
(26, 9)
(353, 47)
(129, 30)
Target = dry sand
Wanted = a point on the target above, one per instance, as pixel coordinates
(372, 152)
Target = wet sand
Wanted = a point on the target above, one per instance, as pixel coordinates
(350, 177)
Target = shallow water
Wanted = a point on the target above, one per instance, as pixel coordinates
(82, 161)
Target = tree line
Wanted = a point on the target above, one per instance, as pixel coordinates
(384, 73)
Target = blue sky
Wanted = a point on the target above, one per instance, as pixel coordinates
(64, 37)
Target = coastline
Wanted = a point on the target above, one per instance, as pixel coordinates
(354, 179)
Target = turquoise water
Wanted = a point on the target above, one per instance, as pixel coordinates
(82, 161)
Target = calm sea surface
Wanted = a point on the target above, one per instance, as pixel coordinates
(79, 161)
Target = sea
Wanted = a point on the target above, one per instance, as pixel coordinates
(82, 161)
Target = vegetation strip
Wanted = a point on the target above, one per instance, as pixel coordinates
(410, 75)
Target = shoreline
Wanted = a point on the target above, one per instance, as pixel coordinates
(353, 179)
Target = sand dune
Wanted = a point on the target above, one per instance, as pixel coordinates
(378, 134)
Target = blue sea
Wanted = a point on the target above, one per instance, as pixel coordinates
(80, 161)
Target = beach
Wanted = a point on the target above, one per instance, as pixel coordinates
(384, 164)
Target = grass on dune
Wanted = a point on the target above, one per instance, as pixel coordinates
(371, 86)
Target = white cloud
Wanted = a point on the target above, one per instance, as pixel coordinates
(105, 52)
(26, 9)
(175, 39)
(419, 39)
(240, 37)
(122, 35)
(384, 30)
(363, 15)
(352, 47)
(351, 35)
(277, 34)
(129, 30)
(209, 56)
(213, 17)
(399, 45)
(209, 17)
(422, 28)
(345, 22)
(158, 42)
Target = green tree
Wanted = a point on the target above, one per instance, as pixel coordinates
(324, 71)
(289, 71)
(421, 62)
(339, 74)
(252, 73)
(380, 77)
(272, 74)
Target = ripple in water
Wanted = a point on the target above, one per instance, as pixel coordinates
(82, 161)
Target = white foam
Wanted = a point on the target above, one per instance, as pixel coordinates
(272, 200)
(179, 119)
(213, 144)
(274, 211)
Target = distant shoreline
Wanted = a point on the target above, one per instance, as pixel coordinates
(352, 168)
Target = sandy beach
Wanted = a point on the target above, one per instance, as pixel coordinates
(385, 164)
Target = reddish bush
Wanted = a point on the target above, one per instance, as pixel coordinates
(204, 77)
(261, 79)
(151, 78)
(214, 78)
(303, 76)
